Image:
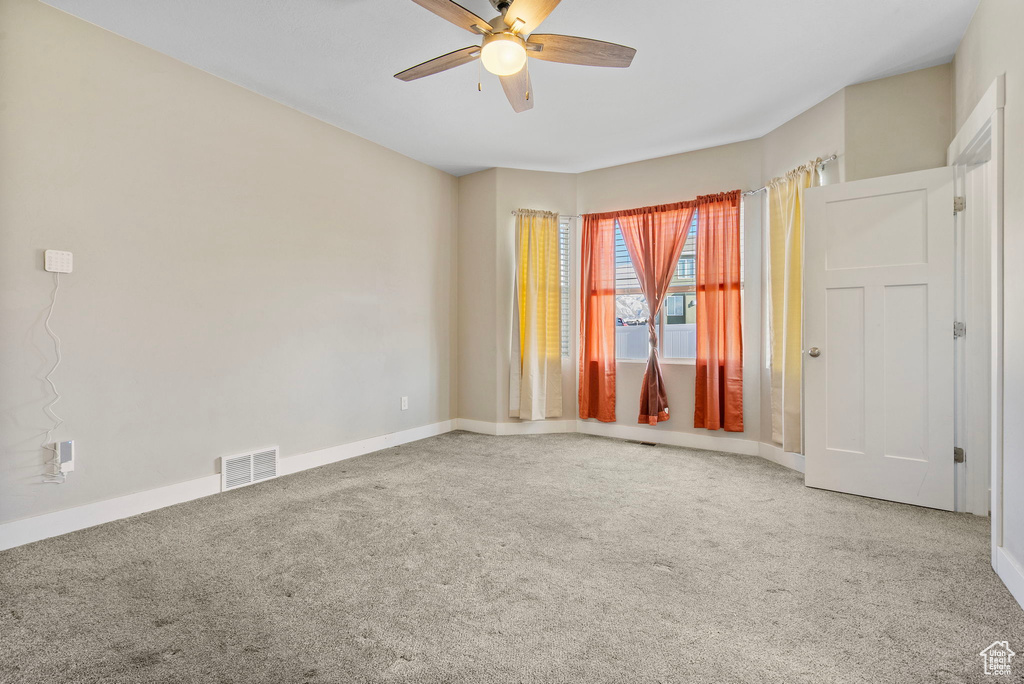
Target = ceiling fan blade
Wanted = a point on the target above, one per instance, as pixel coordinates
(455, 13)
(439, 64)
(530, 13)
(573, 50)
(518, 89)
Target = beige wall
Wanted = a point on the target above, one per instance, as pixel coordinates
(486, 272)
(993, 45)
(898, 124)
(477, 315)
(879, 128)
(244, 275)
(818, 132)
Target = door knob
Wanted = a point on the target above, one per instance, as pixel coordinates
(814, 352)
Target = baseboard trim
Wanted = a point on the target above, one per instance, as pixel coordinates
(315, 459)
(526, 427)
(787, 459)
(28, 530)
(709, 442)
(1012, 574)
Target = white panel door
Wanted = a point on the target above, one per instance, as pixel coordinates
(878, 337)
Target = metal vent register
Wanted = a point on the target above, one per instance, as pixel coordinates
(247, 469)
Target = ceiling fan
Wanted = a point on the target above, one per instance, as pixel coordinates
(507, 41)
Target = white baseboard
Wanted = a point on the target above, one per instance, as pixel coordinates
(788, 459)
(1012, 574)
(28, 530)
(526, 427)
(710, 441)
(39, 527)
(315, 459)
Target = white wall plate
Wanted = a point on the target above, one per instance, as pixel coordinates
(58, 262)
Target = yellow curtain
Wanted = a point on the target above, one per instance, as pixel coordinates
(535, 376)
(785, 301)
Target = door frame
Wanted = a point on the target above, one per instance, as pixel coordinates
(980, 140)
(976, 151)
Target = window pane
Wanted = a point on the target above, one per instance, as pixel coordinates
(686, 269)
(631, 335)
(679, 334)
(631, 312)
(625, 275)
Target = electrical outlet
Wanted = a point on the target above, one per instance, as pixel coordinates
(57, 261)
(405, 403)
(66, 453)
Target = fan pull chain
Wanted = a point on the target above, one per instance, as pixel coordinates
(479, 76)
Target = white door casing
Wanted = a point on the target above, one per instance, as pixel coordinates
(879, 266)
(980, 141)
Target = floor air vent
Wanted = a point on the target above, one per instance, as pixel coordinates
(247, 469)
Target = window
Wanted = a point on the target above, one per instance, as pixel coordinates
(563, 263)
(677, 335)
(631, 312)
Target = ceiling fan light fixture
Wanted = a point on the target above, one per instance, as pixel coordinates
(503, 54)
(504, 49)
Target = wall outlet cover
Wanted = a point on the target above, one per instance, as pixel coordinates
(405, 403)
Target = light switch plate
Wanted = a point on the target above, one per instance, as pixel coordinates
(58, 262)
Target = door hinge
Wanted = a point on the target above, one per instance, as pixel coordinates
(959, 329)
(959, 204)
(959, 455)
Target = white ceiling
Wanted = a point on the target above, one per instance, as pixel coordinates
(706, 72)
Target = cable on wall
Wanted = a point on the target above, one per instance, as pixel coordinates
(55, 477)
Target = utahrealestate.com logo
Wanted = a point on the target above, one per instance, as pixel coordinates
(997, 658)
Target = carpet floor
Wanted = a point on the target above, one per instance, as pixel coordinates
(548, 558)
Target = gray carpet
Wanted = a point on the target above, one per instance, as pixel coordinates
(550, 558)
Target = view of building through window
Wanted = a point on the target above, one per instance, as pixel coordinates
(677, 327)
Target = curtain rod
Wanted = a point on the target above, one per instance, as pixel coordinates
(746, 194)
(561, 216)
(765, 187)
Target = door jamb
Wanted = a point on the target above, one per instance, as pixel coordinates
(983, 130)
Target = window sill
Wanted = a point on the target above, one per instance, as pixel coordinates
(664, 362)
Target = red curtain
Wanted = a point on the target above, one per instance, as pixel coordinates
(597, 319)
(719, 388)
(655, 237)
